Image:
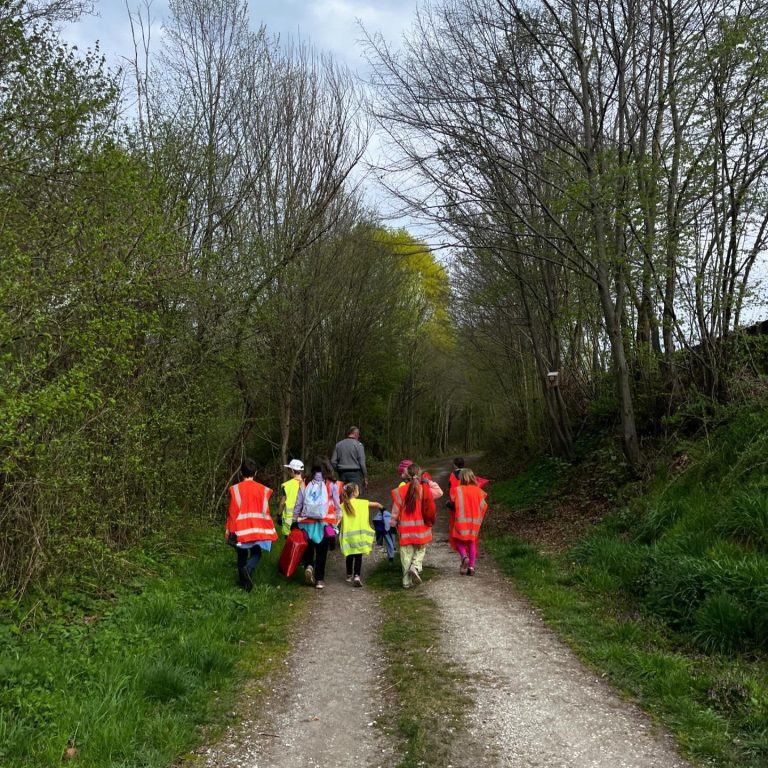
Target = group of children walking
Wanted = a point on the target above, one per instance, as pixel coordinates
(325, 511)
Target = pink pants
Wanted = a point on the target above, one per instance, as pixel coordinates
(467, 549)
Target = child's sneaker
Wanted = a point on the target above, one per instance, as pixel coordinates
(415, 575)
(348, 577)
(320, 585)
(356, 582)
(470, 571)
(464, 565)
(309, 575)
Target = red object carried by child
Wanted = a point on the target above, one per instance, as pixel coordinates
(293, 550)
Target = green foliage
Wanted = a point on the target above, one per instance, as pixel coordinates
(129, 679)
(720, 624)
(535, 483)
(603, 408)
(105, 398)
(614, 558)
(746, 518)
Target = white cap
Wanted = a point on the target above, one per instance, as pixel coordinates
(295, 465)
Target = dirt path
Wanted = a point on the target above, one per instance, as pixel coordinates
(535, 704)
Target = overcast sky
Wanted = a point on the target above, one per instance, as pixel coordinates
(331, 25)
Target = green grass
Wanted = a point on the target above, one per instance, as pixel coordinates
(429, 703)
(138, 678)
(531, 486)
(669, 594)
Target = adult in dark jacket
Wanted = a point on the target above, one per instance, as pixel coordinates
(348, 459)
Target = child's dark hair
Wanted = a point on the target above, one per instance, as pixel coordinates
(414, 481)
(322, 465)
(248, 468)
(458, 462)
(347, 494)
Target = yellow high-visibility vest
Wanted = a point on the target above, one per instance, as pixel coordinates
(291, 488)
(357, 534)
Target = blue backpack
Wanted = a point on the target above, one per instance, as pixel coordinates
(316, 500)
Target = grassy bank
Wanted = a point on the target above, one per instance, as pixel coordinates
(427, 689)
(137, 673)
(668, 595)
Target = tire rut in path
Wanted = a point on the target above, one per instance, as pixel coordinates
(321, 709)
(535, 703)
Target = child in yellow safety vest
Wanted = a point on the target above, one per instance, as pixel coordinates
(357, 534)
(289, 491)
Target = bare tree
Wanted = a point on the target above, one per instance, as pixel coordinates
(619, 141)
(257, 142)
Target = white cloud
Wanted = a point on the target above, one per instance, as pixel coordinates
(336, 24)
(329, 25)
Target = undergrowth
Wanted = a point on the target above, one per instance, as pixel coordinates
(532, 485)
(137, 677)
(669, 594)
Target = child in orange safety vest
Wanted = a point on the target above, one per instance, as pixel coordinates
(249, 528)
(413, 512)
(470, 506)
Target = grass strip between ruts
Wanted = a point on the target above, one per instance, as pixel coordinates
(142, 676)
(429, 700)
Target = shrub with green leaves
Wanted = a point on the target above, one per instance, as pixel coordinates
(623, 561)
(721, 624)
(532, 485)
(746, 518)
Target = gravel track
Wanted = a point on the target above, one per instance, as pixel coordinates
(535, 704)
(321, 712)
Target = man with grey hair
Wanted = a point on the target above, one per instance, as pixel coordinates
(348, 459)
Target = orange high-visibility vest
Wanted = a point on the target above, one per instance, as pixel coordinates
(470, 511)
(330, 518)
(249, 514)
(410, 525)
(453, 481)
